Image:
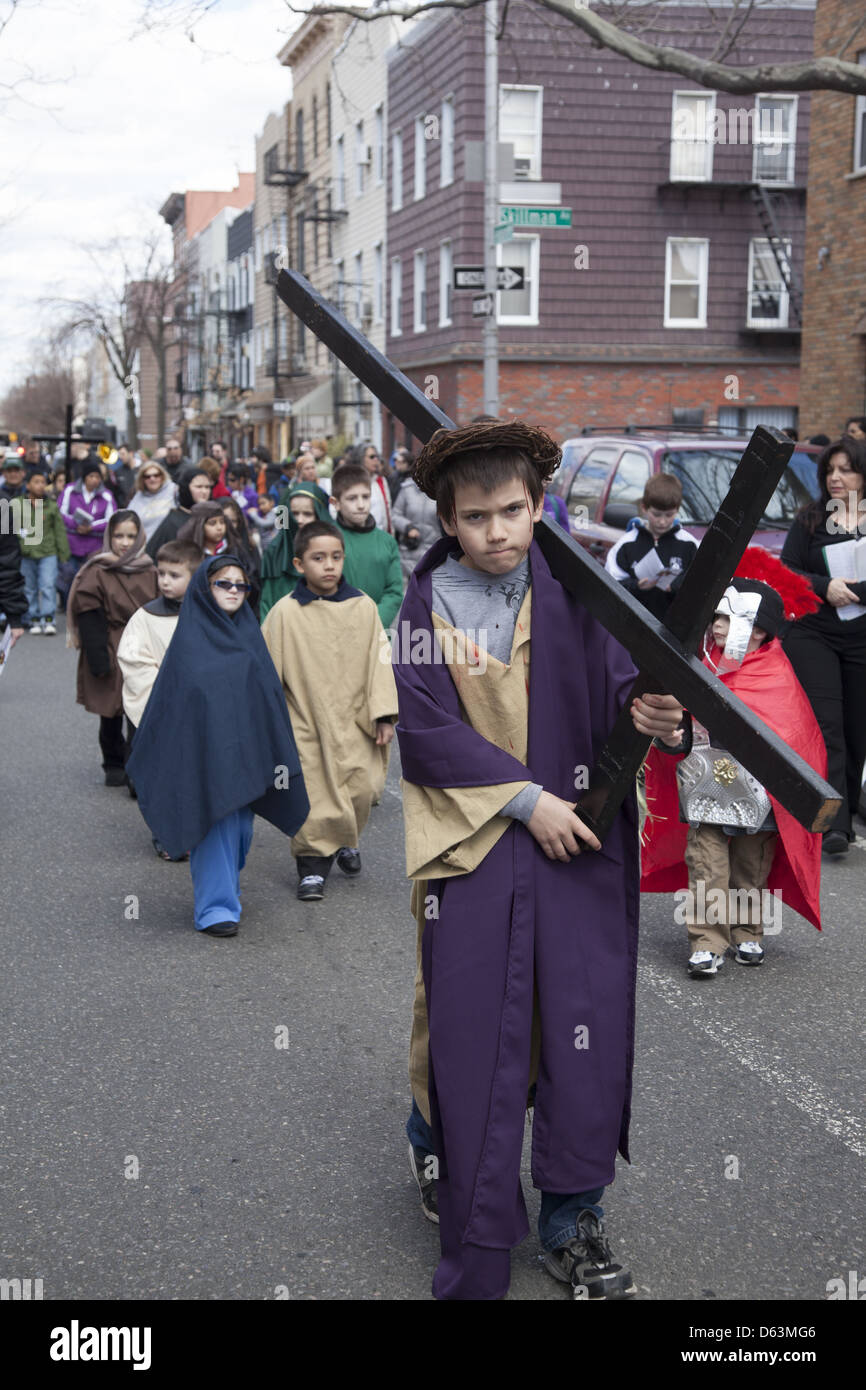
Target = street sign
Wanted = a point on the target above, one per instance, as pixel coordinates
(503, 232)
(482, 305)
(535, 217)
(282, 407)
(471, 277)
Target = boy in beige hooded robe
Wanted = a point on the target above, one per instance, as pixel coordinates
(333, 658)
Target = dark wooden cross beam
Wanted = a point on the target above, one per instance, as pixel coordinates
(664, 652)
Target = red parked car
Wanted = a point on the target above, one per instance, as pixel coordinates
(602, 476)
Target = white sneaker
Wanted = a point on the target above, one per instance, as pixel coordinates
(49, 629)
(705, 963)
(750, 953)
(35, 629)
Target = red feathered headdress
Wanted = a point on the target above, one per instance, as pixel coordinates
(797, 595)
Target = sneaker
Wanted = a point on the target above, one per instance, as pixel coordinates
(423, 1166)
(835, 842)
(311, 888)
(705, 963)
(587, 1264)
(49, 629)
(750, 953)
(221, 929)
(115, 777)
(35, 628)
(349, 860)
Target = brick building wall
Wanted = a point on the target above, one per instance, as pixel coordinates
(834, 322)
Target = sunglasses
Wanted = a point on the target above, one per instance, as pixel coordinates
(229, 584)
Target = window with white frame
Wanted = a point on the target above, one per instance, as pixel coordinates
(378, 282)
(340, 179)
(259, 249)
(396, 171)
(519, 306)
(446, 143)
(361, 158)
(358, 288)
(396, 296)
(692, 137)
(419, 292)
(686, 263)
(768, 295)
(420, 159)
(860, 125)
(520, 126)
(774, 139)
(379, 145)
(446, 276)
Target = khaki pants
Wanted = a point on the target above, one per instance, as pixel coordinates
(716, 861)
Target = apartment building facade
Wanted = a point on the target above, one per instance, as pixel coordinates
(658, 228)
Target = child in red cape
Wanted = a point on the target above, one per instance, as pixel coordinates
(716, 861)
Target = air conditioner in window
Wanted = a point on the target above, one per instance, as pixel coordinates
(522, 168)
(299, 363)
(367, 311)
(365, 154)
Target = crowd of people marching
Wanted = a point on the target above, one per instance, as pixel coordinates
(194, 590)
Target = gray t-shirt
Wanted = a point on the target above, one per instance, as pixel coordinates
(486, 606)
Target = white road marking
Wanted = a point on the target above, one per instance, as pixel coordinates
(796, 1087)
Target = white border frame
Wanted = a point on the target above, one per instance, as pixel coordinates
(710, 124)
(519, 320)
(784, 297)
(787, 182)
(701, 321)
(529, 87)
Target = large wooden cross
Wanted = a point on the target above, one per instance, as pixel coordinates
(664, 651)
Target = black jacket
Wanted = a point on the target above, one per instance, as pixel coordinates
(803, 552)
(13, 600)
(676, 550)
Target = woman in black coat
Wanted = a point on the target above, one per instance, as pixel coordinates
(828, 649)
(194, 487)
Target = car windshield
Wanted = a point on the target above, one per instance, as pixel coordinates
(706, 476)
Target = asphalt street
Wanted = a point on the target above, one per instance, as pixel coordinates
(160, 1141)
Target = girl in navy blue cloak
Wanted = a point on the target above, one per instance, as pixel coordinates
(201, 775)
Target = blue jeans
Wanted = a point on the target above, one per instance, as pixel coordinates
(40, 577)
(557, 1220)
(215, 864)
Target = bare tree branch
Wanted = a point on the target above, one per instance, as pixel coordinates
(824, 73)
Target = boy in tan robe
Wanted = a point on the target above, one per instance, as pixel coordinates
(332, 655)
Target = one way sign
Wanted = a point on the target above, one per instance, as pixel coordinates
(471, 277)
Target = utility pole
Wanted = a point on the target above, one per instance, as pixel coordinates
(490, 331)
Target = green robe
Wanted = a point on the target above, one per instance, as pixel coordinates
(373, 565)
(279, 575)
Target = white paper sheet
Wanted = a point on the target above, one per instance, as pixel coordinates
(847, 560)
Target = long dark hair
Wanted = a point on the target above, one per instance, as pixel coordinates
(813, 513)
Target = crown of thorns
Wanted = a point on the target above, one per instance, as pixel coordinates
(542, 451)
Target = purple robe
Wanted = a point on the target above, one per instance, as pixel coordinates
(518, 921)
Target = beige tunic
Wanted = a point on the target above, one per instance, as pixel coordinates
(334, 661)
(450, 830)
(140, 654)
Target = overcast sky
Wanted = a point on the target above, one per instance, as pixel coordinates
(122, 118)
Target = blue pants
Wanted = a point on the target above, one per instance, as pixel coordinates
(557, 1220)
(215, 865)
(40, 577)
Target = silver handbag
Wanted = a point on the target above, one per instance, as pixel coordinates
(715, 789)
